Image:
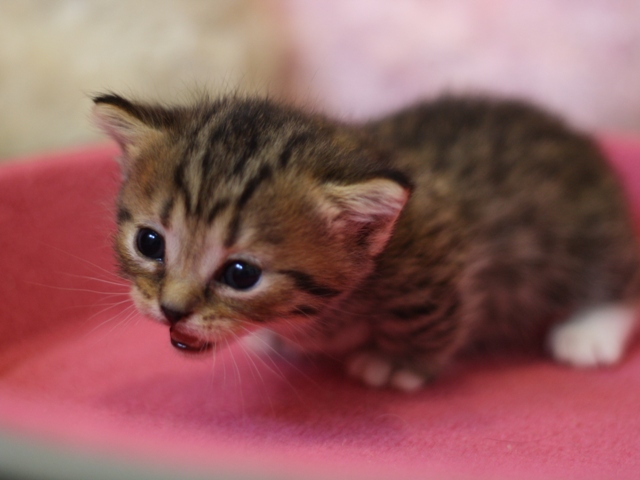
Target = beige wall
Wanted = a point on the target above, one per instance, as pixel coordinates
(351, 58)
(55, 53)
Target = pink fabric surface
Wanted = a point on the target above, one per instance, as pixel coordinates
(79, 368)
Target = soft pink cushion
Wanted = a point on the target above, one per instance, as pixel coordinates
(79, 367)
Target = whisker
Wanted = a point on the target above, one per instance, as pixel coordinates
(122, 321)
(122, 283)
(108, 306)
(277, 370)
(117, 320)
(286, 361)
(130, 310)
(91, 305)
(213, 365)
(239, 377)
(224, 364)
(101, 304)
(249, 355)
(104, 270)
(73, 289)
(235, 364)
(314, 327)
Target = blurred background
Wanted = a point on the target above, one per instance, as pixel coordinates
(352, 59)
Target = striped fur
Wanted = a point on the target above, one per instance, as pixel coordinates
(453, 223)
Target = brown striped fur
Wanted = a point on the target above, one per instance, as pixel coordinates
(452, 223)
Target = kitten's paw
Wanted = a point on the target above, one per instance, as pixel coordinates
(594, 337)
(376, 371)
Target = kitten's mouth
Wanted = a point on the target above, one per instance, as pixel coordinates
(188, 343)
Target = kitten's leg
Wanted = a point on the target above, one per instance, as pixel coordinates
(377, 370)
(407, 353)
(593, 337)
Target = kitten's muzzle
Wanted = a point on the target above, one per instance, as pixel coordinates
(173, 315)
(181, 338)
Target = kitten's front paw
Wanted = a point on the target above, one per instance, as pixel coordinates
(375, 370)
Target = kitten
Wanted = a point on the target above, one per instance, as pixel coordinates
(394, 245)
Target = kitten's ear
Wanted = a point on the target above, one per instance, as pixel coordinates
(125, 122)
(368, 209)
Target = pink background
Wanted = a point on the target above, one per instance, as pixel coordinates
(363, 57)
(79, 369)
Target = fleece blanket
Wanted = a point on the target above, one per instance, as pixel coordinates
(79, 367)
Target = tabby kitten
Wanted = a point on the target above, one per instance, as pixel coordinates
(394, 244)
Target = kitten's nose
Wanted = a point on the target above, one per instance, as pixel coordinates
(173, 315)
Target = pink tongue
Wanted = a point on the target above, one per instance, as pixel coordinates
(187, 343)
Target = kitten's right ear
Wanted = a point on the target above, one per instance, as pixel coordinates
(369, 208)
(125, 122)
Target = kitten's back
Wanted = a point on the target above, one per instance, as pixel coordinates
(528, 214)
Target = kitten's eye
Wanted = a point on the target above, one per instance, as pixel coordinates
(150, 244)
(240, 275)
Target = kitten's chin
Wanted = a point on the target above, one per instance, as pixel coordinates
(188, 343)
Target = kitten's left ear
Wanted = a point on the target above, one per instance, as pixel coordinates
(368, 209)
(128, 123)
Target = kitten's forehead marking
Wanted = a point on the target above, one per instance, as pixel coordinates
(165, 212)
(205, 202)
(217, 150)
(263, 175)
(195, 247)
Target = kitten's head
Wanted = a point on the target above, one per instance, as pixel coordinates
(236, 214)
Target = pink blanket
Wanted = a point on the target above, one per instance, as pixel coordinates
(79, 367)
